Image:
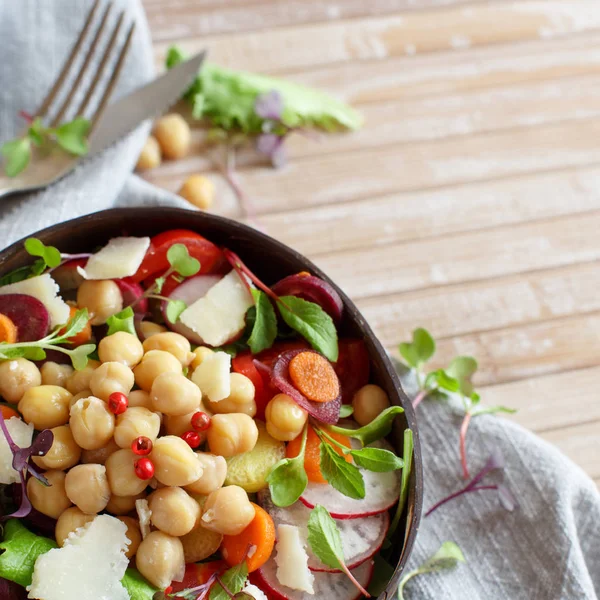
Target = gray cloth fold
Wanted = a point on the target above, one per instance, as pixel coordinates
(549, 549)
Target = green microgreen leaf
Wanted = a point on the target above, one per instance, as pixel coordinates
(180, 260)
(287, 479)
(324, 538)
(407, 457)
(49, 254)
(36, 132)
(233, 579)
(74, 326)
(340, 474)
(346, 410)
(174, 310)
(80, 355)
(17, 275)
(420, 350)
(122, 321)
(17, 154)
(264, 329)
(159, 282)
(492, 410)
(378, 460)
(71, 136)
(377, 429)
(462, 369)
(312, 323)
(447, 557)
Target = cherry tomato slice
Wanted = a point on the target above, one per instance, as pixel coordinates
(198, 574)
(155, 261)
(352, 367)
(243, 363)
(269, 356)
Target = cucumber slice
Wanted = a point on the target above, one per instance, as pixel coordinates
(250, 470)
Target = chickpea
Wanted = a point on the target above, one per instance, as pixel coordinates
(77, 397)
(46, 406)
(173, 135)
(99, 455)
(80, 380)
(200, 353)
(160, 559)
(135, 422)
(55, 374)
(121, 347)
(232, 434)
(173, 511)
(70, 520)
(171, 342)
(64, 452)
(121, 505)
(198, 190)
(120, 471)
(149, 328)
(369, 402)
(102, 298)
(134, 535)
(50, 500)
(175, 463)
(174, 394)
(16, 377)
(154, 363)
(111, 377)
(240, 399)
(92, 424)
(150, 155)
(87, 488)
(228, 511)
(285, 419)
(200, 543)
(214, 473)
(179, 424)
(139, 398)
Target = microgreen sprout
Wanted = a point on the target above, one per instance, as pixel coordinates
(70, 137)
(495, 463)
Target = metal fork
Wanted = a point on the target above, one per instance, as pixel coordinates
(50, 165)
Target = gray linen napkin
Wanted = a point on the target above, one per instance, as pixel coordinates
(549, 549)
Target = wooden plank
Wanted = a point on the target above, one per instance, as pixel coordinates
(416, 215)
(550, 402)
(581, 444)
(463, 309)
(417, 32)
(466, 257)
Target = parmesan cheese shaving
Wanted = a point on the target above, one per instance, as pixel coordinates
(121, 257)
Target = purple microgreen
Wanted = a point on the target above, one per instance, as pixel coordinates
(494, 463)
(269, 106)
(25, 506)
(271, 145)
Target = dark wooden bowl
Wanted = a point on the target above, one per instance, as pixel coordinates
(270, 260)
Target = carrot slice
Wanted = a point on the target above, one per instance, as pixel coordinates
(255, 544)
(8, 330)
(313, 375)
(312, 455)
(8, 412)
(85, 335)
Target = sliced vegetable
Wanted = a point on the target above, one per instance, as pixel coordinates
(28, 314)
(314, 377)
(155, 261)
(198, 574)
(120, 258)
(326, 412)
(83, 336)
(8, 330)
(255, 544)
(244, 364)
(327, 586)
(313, 289)
(68, 276)
(352, 367)
(8, 412)
(132, 293)
(361, 538)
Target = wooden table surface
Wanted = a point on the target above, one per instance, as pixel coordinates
(470, 201)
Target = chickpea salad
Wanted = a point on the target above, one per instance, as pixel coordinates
(173, 427)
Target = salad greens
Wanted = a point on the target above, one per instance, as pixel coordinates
(122, 321)
(448, 556)
(70, 137)
(340, 474)
(230, 583)
(407, 456)
(377, 429)
(264, 328)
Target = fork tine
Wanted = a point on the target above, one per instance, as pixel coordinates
(65, 106)
(68, 63)
(113, 78)
(102, 66)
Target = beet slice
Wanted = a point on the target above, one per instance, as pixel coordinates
(361, 538)
(326, 412)
(28, 314)
(313, 289)
(327, 586)
(131, 291)
(11, 591)
(189, 291)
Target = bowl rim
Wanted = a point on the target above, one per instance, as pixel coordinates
(414, 507)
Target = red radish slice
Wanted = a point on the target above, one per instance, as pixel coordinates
(327, 586)
(29, 315)
(361, 538)
(313, 289)
(382, 490)
(326, 412)
(189, 291)
(131, 291)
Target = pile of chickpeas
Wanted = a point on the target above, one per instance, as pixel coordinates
(136, 453)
